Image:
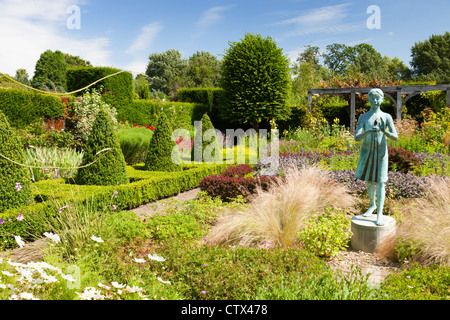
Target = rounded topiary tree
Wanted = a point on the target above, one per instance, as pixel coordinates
(255, 77)
(110, 168)
(162, 151)
(209, 142)
(15, 181)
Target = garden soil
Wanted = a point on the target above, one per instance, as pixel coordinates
(377, 266)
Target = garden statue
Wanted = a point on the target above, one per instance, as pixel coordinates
(374, 126)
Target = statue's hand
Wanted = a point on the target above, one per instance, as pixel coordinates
(382, 125)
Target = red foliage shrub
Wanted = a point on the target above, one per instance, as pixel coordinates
(232, 183)
(403, 160)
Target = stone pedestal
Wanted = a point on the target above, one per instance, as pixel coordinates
(367, 235)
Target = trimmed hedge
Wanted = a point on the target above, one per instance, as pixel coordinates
(180, 114)
(145, 187)
(207, 96)
(118, 89)
(25, 107)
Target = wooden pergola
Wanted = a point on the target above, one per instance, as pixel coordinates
(410, 92)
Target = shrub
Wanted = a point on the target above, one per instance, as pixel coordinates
(134, 143)
(117, 89)
(207, 142)
(276, 215)
(26, 107)
(108, 168)
(235, 182)
(401, 160)
(86, 112)
(238, 171)
(326, 234)
(207, 96)
(15, 185)
(162, 152)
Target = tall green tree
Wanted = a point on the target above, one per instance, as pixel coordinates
(166, 71)
(76, 61)
(22, 76)
(255, 77)
(430, 59)
(203, 70)
(50, 71)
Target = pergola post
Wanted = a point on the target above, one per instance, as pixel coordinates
(352, 112)
(399, 104)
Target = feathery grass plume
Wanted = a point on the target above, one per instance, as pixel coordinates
(276, 215)
(425, 226)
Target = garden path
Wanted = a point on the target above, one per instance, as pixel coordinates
(378, 267)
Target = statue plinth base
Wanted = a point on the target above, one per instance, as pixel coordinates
(367, 235)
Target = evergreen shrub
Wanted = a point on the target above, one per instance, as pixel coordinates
(15, 181)
(110, 168)
(26, 107)
(202, 141)
(162, 152)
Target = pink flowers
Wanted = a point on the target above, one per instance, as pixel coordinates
(19, 217)
(18, 186)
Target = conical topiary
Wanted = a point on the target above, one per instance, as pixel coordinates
(162, 151)
(209, 142)
(15, 180)
(110, 168)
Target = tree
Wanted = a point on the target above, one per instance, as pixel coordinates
(430, 59)
(50, 71)
(22, 76)
(202, 141)
(75, 61)
(255, 77)
(15, 180)
(108, 168)
(203, 70)
(397, 69)
(166, 71)
(162, 151)
(141, 87)
(307, 73)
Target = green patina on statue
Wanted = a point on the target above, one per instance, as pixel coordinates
(374, 126)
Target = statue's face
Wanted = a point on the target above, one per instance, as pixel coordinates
(375, 100)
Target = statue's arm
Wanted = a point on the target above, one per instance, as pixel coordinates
(392, 133)
(359, 132)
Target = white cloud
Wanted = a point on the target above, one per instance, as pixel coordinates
(28, 28)
(145, 39)
(323, 20)
(209, 18)
(319, 16)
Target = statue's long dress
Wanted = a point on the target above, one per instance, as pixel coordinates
(373, 161)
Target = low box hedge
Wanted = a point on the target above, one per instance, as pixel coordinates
(145, 186)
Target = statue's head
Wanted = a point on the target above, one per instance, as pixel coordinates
(375, 96)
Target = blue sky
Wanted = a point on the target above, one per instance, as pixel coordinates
(123, 33)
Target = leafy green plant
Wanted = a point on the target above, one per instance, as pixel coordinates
(326, 234)
(417, 283)
(179, 226)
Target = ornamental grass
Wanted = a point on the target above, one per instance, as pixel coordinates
(277, 214)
